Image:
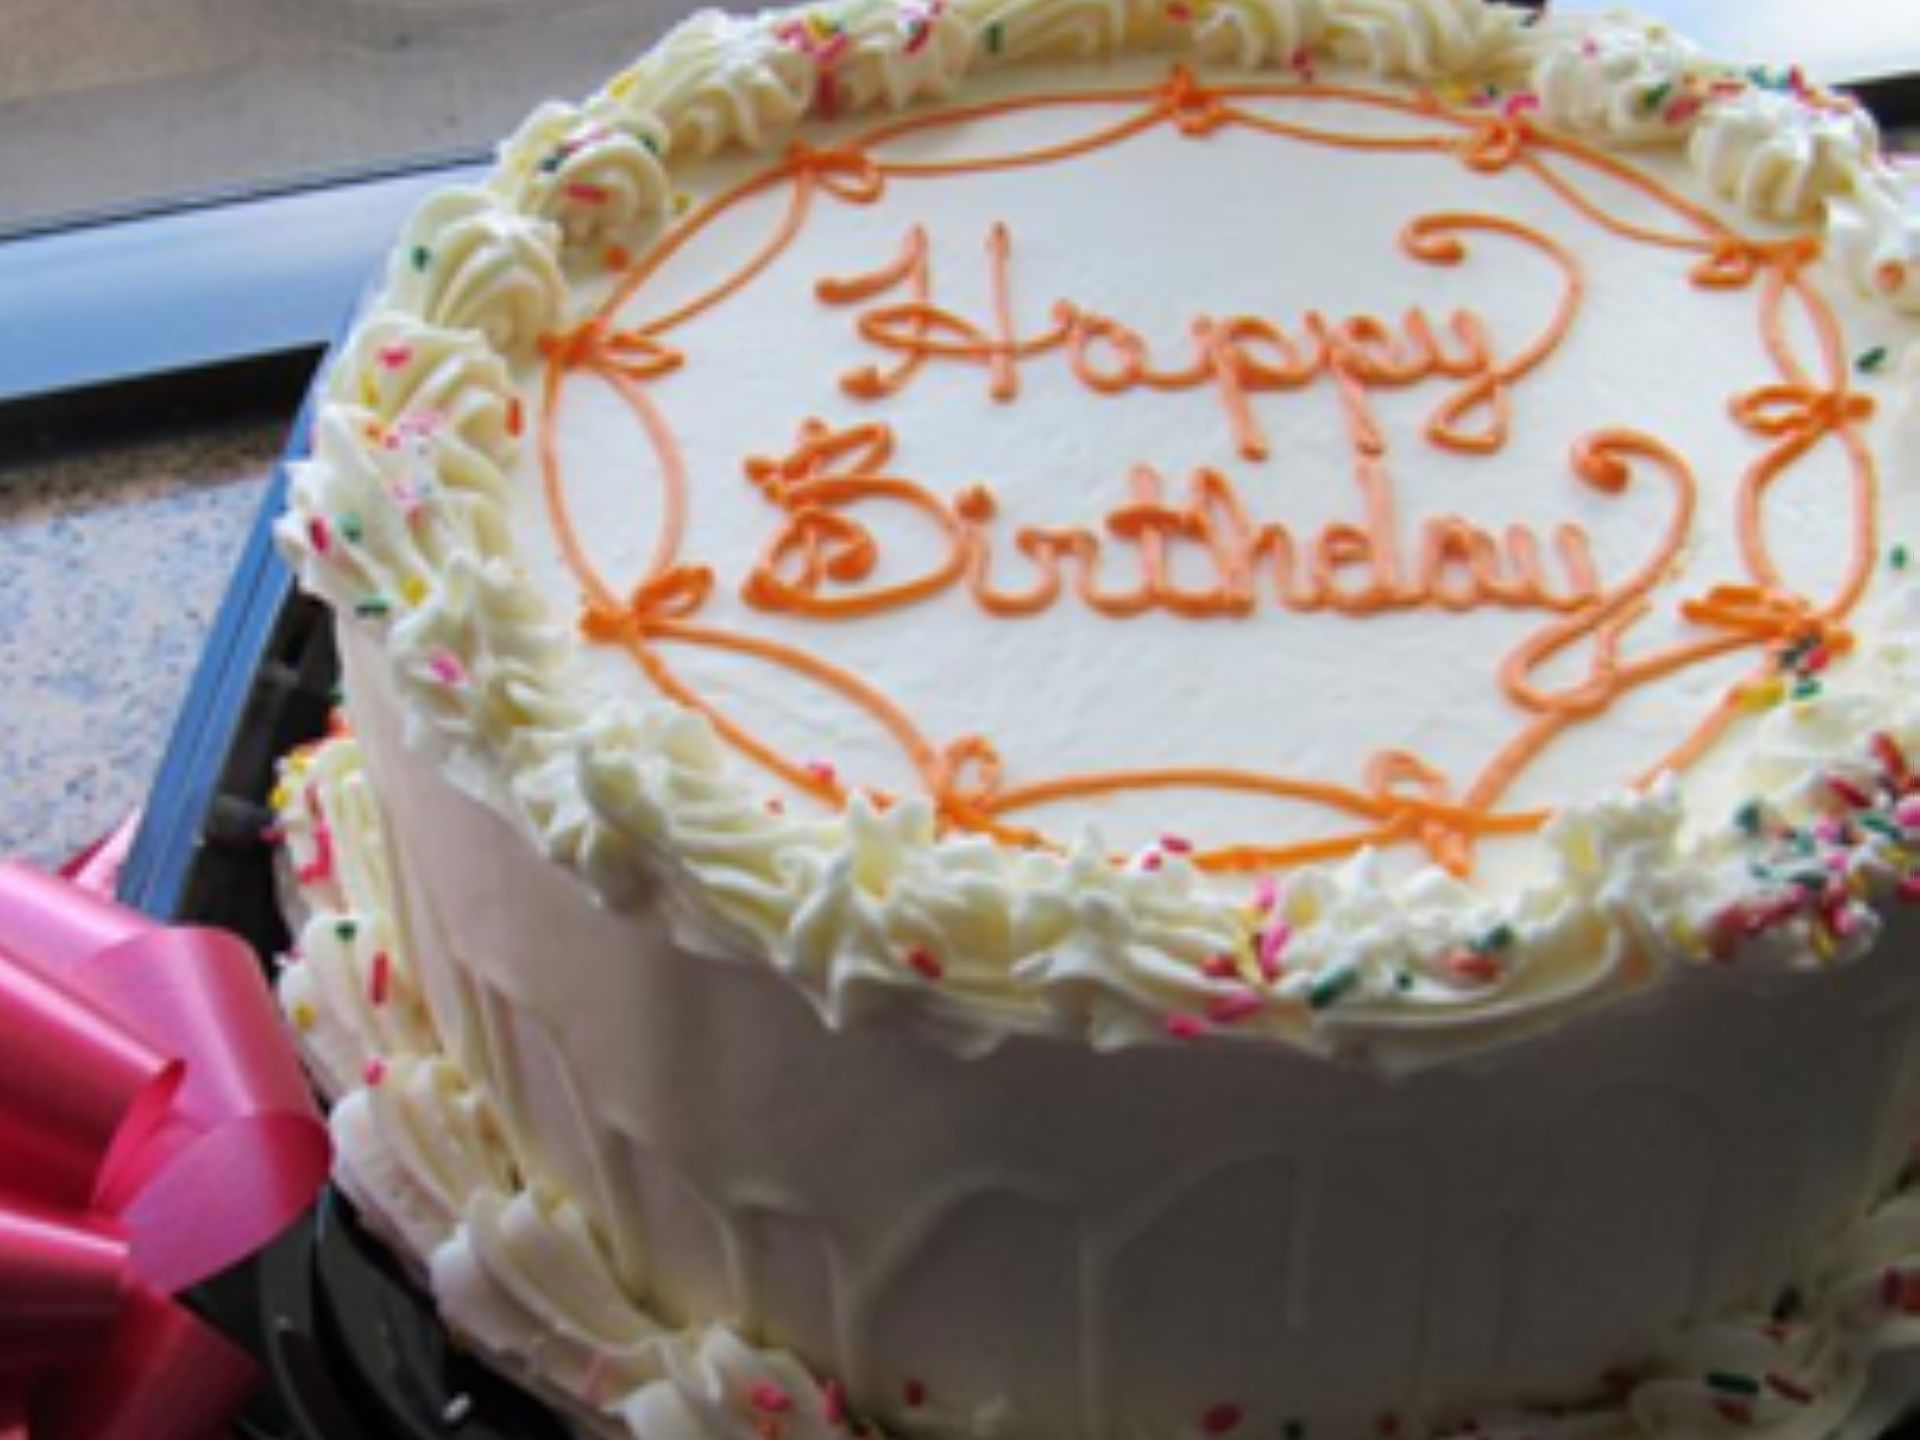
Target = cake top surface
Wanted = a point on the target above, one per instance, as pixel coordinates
(1370, 523)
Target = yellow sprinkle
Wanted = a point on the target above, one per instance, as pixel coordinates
(623, 84)
(1763, 694)
(1822, 942)
(301, 1013)
(682, 202)
(1683, 934)
(282, 796)
(413, 590)
(1857, 885)
(369, 389)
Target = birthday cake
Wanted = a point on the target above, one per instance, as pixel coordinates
(1104, 718)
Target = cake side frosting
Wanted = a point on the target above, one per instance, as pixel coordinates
(522, 1267)
(401, 520)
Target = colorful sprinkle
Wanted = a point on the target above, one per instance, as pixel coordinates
(833, 1402)
(1222, 966)
(1729, 1383)
(1848, 793)
(587, 194)
(318, 534)
(1234, 1006)
(374, 1071)
(380, 978)
(1890, 276)
(351, 528)
(422, 257)
(446, 668)
(1898, 557)
(1176, 844)
(395, 357)
(1273, 945)
(769, 1398)
(1330, 985)
(1184, 1027)
(516, 416)
(1871, 360)
(346, 928)
(1789, 1389)
(372, 606)
(1656, 97)
(617, 257)
(301, 1013)
(1222, 1420)
(926, 963)
(996, 38)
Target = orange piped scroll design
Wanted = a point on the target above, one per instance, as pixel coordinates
(821, 557)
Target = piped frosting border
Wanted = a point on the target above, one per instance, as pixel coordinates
(398, 520)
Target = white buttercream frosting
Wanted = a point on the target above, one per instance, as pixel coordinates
(521, 1272)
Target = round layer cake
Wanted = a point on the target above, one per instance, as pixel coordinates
(1107, 721)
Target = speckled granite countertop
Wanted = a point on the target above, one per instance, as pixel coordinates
(112, 565)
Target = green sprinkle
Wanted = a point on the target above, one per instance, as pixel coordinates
(1898, 557)
(1403, 981)
(1496, 939)
(350, 527)
(1810, 879)
(1330, 985)
(346, 929)
(1881, 826)
(373, 605)
(1657, 96)
(1805, 688)
(653, 145)
(553, 162)
(422, 257)
(1731, 1384)
(1749, 817)
(1871, 360)
(996, 38)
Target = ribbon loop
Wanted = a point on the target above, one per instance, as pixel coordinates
(155, 1128)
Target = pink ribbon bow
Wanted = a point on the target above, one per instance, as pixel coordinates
(154, 1129)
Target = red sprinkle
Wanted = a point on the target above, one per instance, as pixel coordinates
(1220, 967)
(1152, 860)
(1222, 1419)
(395, 357)
(1176, 845)
(586, 194)
(380, 980)
(374, 1071)
(1233, 1006)
(820, 770)
(1909, 888)
(769, 1397)
(1738, 1411)
(1184, 1027)
(915, 1392)
(1781, 1385)
(318, 533)
(516, 416)
(1273, 944)
(321, 866)
(1848, 793)
(1892, 758)
(617, 257)
(1472, 966)
(1266, 894)
(926, 962)
(1907, 813)
(833, 1403)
